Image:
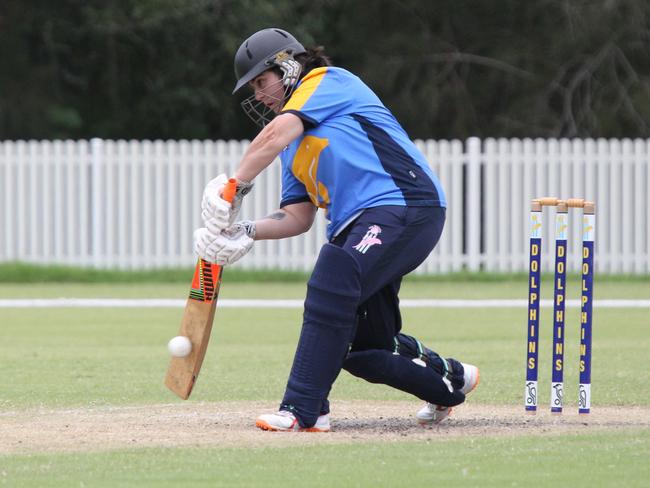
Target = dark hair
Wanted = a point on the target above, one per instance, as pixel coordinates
(315, 57)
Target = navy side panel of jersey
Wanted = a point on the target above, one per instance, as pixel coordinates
(416, 186)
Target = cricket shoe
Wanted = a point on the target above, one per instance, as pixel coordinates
(432, 414)
(285, 421)
(472, 378)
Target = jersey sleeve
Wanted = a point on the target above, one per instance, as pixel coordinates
(320, 95)
(293, 191)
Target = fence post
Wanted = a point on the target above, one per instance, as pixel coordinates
(473, 204)
(96, 215)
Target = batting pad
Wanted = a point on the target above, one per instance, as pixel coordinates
(333, 295)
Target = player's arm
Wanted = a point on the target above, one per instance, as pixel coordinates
(288, 221)
(273, 138)
(280, 132)
(233, 243)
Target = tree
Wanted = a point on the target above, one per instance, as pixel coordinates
(448, 69)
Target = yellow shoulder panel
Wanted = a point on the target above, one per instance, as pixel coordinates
(308, 86)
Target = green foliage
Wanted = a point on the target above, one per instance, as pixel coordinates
(163, 68)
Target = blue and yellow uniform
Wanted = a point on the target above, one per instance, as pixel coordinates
(353, 155)
(386, 210)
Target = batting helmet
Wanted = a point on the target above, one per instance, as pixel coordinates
(259, 51)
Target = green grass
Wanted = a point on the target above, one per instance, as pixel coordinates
(237, 285)
(618, 459)
(20, 272)
(76, 357)
(57, 358)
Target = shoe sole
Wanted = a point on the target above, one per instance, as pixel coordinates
(261, 424)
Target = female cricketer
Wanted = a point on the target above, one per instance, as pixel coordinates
(344, 152)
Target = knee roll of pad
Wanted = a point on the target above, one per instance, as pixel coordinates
(410, 347)
(334, 289)
(449, 368)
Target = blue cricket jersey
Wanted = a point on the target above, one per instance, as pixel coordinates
(353, 154)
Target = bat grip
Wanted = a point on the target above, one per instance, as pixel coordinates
(230, 189)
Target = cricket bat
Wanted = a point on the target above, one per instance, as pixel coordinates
(197, 319)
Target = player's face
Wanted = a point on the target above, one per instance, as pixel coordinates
(269, 90)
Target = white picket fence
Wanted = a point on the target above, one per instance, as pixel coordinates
(135, 204)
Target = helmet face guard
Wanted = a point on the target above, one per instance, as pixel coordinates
(264, 50)
(259, 112)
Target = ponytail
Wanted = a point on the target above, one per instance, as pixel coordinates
(315, 57)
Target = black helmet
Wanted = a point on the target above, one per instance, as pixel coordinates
(258, 53)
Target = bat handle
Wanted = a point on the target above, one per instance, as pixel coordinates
(230, 189)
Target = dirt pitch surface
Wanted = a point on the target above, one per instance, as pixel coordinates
(231, 424)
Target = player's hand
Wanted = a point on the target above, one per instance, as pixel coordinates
(227, 247)
(216, 212)
(243, 189)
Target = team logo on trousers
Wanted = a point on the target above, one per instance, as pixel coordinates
(370, 239)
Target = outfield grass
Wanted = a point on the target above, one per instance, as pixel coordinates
(614, 460)
(475, 287)
(76, 357)
(59, 358)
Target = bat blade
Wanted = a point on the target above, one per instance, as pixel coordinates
(196, 325)
(197, 319)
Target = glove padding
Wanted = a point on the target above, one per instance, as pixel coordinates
(217, 213)
(226, 247)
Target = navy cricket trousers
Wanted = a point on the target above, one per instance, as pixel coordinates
(352, 318)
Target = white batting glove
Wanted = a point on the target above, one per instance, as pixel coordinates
(217, 213)
(228, 247)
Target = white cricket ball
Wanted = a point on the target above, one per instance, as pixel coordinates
(179, 346)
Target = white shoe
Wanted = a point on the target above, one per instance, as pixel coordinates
(471, 376)
(285, 421)
(432, 414)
